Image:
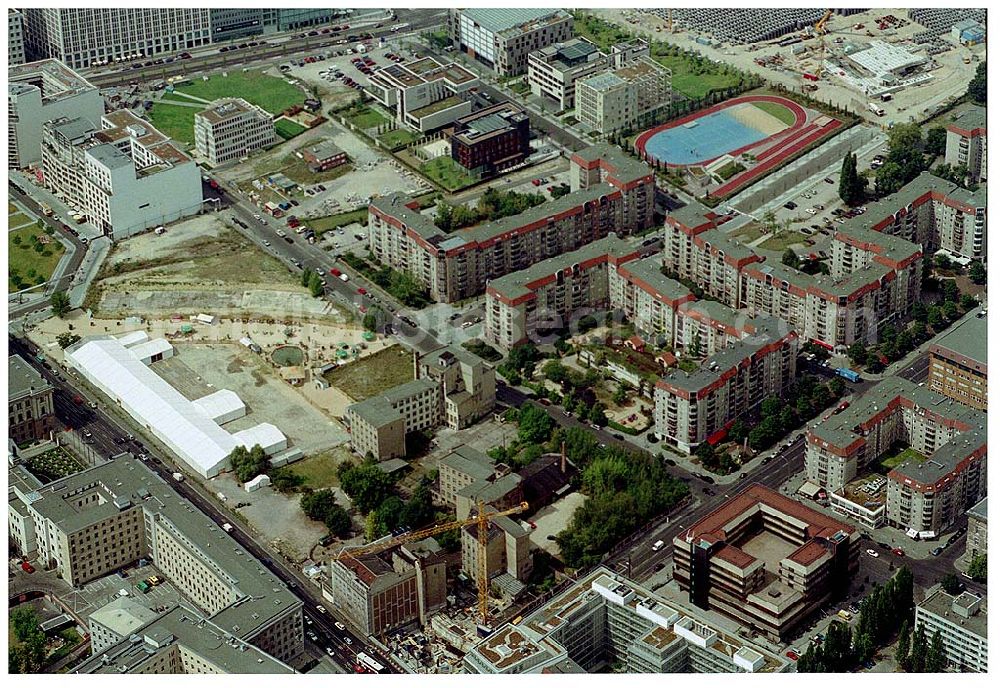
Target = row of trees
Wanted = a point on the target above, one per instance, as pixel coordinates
(401, 285)
(29, 654)
(313, 282)
(321, 505)
(492, 205)
(915, 655)
(881, 615)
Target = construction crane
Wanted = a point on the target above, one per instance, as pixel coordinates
(820, 27)
(482, 519)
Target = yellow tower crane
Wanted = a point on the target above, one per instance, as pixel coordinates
(820, 27)
(482, 519)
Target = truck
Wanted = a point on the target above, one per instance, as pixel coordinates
(810, 77)
(46, 209)
(877, 109)
(847, 374)
(179, 477)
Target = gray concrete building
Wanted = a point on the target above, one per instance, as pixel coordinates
(961, 620)
(15, 37)
(503, 38)
(30, 409)
(976, 537)
(965, 143)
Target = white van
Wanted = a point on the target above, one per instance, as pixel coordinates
(658, 545)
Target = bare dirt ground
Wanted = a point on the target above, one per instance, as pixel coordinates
(201, 265)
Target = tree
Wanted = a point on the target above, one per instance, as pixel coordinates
(694, 348)
(387, 515)
(60, 303)
(920, 312)
(315, 285)
(790, 258)
(937, 138)
(67, 339)
(366, 485)
(918, 651)
(951, 584)
(316, 504)
(934, 317)
(285, 480)
(534, 425)
(903, 646)
(950, 290)
(419, 508)
(620, 395)
(889, 178)
(246, 464)
(771, 406)
(949, 311)
(977, 273)
(977, 86)
(857, 352)
(338, 521)
(450, 540)
(597, 415)
(443, 216)
(968, 302)
(305, 277)
(836, 386)
(852, 185)
(937, 660)
(977, 568)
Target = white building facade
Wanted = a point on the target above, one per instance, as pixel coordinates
(232, 128)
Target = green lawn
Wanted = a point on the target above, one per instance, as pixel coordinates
(363, 117)
(688, 82)
(447, 173)
(17, 219)
(907, 454)
(779, 112)
(176, 121)
(782, 240)
(325, 224)
(287, 129)
(298, 171)
(269, 92)
(320, 470)
(27, 267)
(397, 138)
(730, 168)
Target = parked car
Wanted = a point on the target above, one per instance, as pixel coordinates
(321, 609)
(340, 626)
(871, 553)
(898, 552)
(27, 567)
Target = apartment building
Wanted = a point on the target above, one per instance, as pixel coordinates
(95, 522)
(230, 129)
(30, 409)
(957, 361)
(605, 620)
(38, 92)
(976, 540)
(934, 213)
(504, 38)
(965, 143)
(624, 98)
(93, 37)
(611, 193)
(961, 620)
(692, 408)
(508, 554)
(945, 473)
(425, 94)
(649, 300)
(460, 468)
(706, 327)
(384, 591)
(492, 140)
(15, 37)
(125, 177)
(128, 638)
(553, 293)
(766, 560)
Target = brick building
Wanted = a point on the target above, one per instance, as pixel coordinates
(30, 409)
(491, 140)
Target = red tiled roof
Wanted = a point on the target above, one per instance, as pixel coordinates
(735, 556)
(808, 553)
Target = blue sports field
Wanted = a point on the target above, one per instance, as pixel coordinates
(702, 139)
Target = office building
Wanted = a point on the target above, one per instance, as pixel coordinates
(324, 156)
(976, 540)
(766, 560)
(503, 38)
(492, 140)
(460, 468)
(179, 641)
(230, 129)
(611, 192)
(554, 70)
(605, 620)
(451, 387)
(38, 92)
(957, 361)
(692, 408)
(961, 620)
(15, 37)
(384, 591)
(300, 18)
(931, 484)
(624, 98)
(93, 37)
(508, 553)
(965, 144)
(231, 24)
(30, 409)
(95, 522)
(425, 94)
(125, 177)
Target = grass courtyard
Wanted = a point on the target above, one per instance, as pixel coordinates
(287, 129)
(908, 454)
(369, 376)
(54, 464)
(330, 222)
(397, 138)
(362, 116)
(781, 240)
(176, 121)
(30, 261)
(447, 173)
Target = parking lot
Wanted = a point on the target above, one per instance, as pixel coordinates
(97, 593)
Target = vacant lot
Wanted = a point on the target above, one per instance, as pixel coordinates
(320, 470)
(30, 262)
(369, 376)
(287, 129)
(447, 173)
(176, 121)
(200, 265)
(363, 117)
(325, 224)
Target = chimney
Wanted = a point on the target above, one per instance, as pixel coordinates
(562, 464)
(416, 365)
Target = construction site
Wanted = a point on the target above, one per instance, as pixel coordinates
(887, 65)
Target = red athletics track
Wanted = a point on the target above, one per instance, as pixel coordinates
(797, 110)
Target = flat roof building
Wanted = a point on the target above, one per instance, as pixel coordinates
(425, 93)
(965, 142)
(38, 92)
(30, 407)
(976, 540)
(503, 38)
(624, 98)
(232, 128)
(961, 620)
(765, 560)
(957, 366)
(605, 620)
(491, 141)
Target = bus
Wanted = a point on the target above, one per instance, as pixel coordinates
(847, 374)
(369, 663)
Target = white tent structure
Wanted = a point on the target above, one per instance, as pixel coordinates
(181, 424)
(222, 406)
